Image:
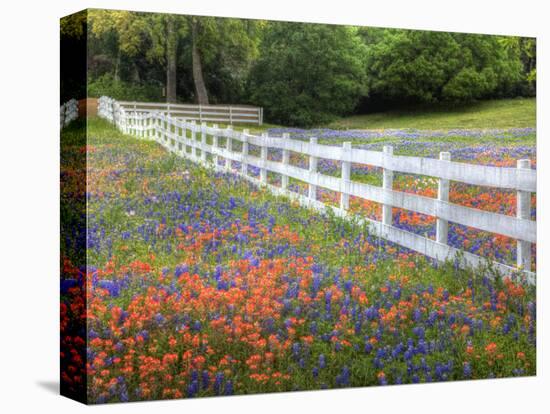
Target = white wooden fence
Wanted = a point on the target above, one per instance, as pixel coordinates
(202, 113)
(68, 112)
(172, 134)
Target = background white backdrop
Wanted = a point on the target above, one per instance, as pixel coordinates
(29, 207)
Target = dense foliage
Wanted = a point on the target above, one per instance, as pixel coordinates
(123, 90)
(422, 66)
(302, 74)
(307, 74)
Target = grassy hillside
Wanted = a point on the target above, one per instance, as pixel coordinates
(504, 113)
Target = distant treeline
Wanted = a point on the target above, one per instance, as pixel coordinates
(302, 74)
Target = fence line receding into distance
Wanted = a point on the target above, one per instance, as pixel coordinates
(172, 133)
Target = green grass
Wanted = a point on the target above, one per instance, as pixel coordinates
(494, 114)
(504, 113)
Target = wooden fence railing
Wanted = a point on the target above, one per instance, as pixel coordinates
(179, 135)
(68, 112)
(202, 113)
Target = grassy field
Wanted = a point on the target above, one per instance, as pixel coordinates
(505, 113)
(495, 114)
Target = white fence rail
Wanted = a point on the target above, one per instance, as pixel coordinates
(172, 133)
(68, 112)
(202, 113)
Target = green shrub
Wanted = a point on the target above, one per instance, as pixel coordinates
(106, 85)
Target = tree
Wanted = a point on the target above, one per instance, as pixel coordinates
(165, 31)
(525, 48)
(200, 87)
(308, 73)
(163, 40)
(119, 34)
(420, 66)
(156, 36)
(221, 45)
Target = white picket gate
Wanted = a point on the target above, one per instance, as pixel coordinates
(172, 134)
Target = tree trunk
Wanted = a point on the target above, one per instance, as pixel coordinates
(171, 57)
(117, 65)
(135, 74)
(200, 87)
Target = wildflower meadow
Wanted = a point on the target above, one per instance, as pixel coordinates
(199, 283)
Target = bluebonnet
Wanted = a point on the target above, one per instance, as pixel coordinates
(322, 361)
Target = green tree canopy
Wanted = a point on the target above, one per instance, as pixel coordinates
(423, 66)
(179, 47)
(302, 74)
(308, 73)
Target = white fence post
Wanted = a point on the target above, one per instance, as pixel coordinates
(263, 156)
(312, 188)
(231, 115)
(163, 130)
(346, 171)
(228, 147)
(143, 125)
(169, 133)
(167, 130)
(203, 142)
(133, 120)
(181, 137)
(524, 212)
(193, 140)
(244, 165)
(286, 160)
(215, 145)
(161, 127)
(174, 139)
(177, 136)
(186, 126)
(442, 225)
(147, 126)
(387, 183)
